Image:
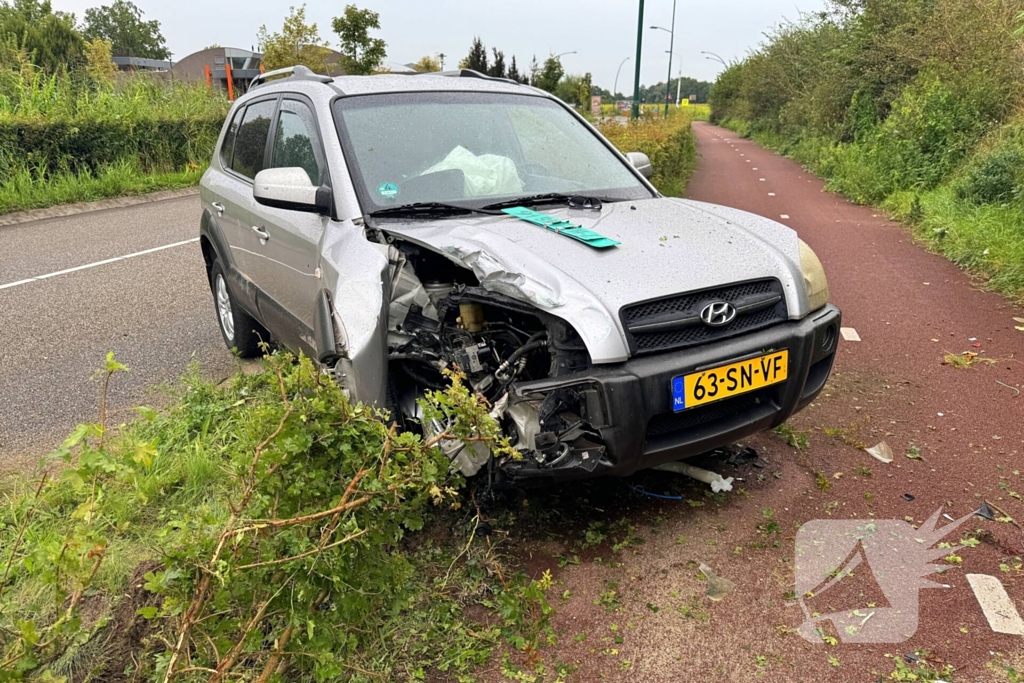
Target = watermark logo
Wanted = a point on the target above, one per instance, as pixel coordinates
(864, 576)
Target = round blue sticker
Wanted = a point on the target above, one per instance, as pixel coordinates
(387, 190)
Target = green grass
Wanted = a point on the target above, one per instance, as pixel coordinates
(230, 502)
(22, 190)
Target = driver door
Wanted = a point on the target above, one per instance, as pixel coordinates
(286, 249)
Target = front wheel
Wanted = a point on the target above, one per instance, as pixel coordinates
(240, 330)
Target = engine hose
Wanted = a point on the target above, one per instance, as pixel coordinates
(421, 379)
(535, 342)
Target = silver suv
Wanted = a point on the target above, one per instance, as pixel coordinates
(394, 226)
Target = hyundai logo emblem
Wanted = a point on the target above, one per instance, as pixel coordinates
(718, 314)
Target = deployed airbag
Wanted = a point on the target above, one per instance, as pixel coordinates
(486, 175)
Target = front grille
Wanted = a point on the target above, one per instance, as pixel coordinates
(669, 424)
(679, 316)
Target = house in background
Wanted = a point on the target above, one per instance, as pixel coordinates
(142, 64)
(230, 68)
(216, 64)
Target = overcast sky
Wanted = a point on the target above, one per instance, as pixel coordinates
(602, 32)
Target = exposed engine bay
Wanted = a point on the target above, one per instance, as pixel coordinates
(521, 361)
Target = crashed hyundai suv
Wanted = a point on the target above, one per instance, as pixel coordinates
(391, 227)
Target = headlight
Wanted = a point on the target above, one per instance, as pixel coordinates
(814, 277)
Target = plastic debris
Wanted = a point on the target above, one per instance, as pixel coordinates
(717, 482)
(909, 497)
(718, 587)
(985, 512)
(849, 334)
(882, 452)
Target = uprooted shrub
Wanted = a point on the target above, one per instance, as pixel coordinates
(257, 529)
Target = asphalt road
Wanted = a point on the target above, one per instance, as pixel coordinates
(153, 310)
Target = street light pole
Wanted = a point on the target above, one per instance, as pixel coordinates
(713, 56)
(671, 46)
(639, 46)
(615, 88)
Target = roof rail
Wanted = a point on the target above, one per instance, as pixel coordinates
(298, 73)
(470, 73)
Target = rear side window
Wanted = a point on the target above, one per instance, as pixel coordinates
(228, 147)
(296, 142)
(251, 139)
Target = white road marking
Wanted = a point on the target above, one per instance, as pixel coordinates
(849, 334)
(996, 604)
(763, 179)
(771, 194)
(785, 216)
(97, 263)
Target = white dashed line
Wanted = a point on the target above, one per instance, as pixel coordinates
(771, 194)
(97, 263)
(762, 180)
(785, 216)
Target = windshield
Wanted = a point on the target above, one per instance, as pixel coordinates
(473, 149)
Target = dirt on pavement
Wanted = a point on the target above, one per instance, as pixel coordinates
(630, 600)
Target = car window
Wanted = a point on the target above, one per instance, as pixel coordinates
(228, 147)
(296, 141)
(251, 139)
(456, 146)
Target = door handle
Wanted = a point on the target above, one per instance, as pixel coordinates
(219, 207)
(261, 233)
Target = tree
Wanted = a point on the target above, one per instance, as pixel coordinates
(477, 57)
(121, 25)
(534, 70)
(361, 54)
(297, 43)
(49, 38)
(498, 65)
(550, 75)
(513, 71)
(426, 65)
(99, 63)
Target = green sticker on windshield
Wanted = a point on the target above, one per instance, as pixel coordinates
(387, 190)
(562, 227)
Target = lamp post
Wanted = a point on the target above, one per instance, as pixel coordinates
(636, 77)
(671, 47)
(562, 54)
(679, 80)
(615, 88)
(714, 57)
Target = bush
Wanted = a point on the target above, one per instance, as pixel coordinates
(668, 142)
(253, 521)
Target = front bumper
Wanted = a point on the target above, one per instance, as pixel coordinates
(636, 422)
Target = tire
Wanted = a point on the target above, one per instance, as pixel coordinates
(240, 330)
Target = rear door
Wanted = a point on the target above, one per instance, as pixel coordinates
(286, 259)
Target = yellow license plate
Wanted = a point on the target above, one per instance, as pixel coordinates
(698, 388)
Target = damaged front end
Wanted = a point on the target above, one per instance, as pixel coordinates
(520, 360)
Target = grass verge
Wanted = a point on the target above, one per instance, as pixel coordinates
(986, 238)
(264, 529)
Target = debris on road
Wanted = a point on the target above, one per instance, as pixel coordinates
(718, 586)
(985, 512)
(909, 497)
(882, 451)
(717, 482)
(849, 334)
(997, 606)
(1008, 387)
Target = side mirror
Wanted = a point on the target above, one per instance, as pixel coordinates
(289, 188)
(641, 162)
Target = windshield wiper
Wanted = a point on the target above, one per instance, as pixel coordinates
(574, 201)
(425, 208)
